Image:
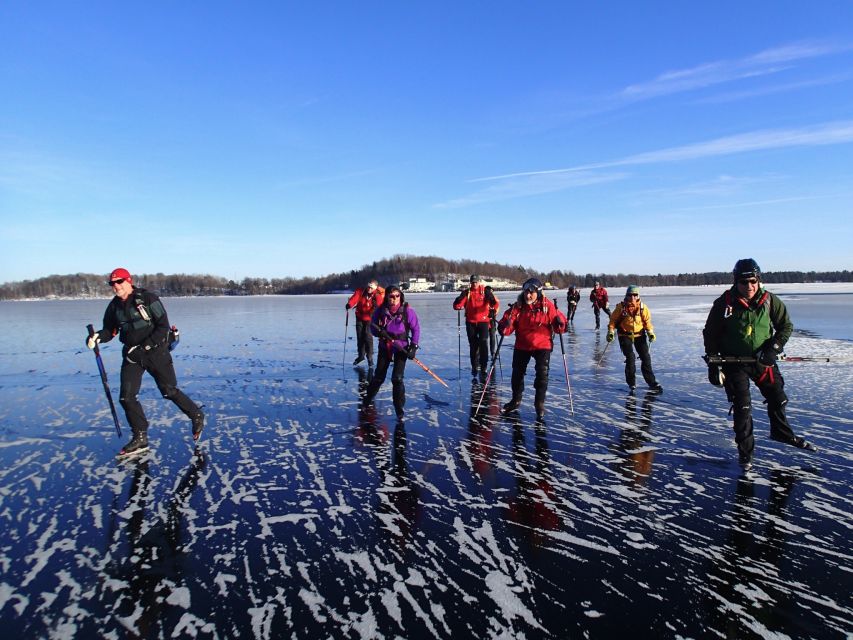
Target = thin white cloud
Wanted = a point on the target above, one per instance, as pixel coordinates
(529, 185)
(768, 62)
(732, 96)
(839, 132)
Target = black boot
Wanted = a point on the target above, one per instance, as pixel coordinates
(138, 444)
(198, 424)
(398, 394)
(512, 405)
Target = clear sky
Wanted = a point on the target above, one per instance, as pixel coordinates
(304, 138)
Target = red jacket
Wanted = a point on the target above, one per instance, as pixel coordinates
(476, 306)
(534, 325)
(365, 303)
(598, 297)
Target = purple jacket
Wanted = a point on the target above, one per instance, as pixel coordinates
(395, 325)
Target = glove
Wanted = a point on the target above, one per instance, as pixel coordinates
(490, 295)
(610, 336)
(652, 337)
(93, 340)
(384, 335)
(715, 372)
(766, 357)
(347, 307)
(769, 352)
(715, 375)
(411, 351)
(559, 325)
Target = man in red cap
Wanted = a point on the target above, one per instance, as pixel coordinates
(139, 319)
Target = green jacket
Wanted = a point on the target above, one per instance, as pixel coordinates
(737, 327)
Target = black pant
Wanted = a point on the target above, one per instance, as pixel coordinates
(520, 359)
(398, 389)
(364, 339)
(772, 387)
(478, 344)
(640, 343)
(573, 306)
(158, 363)
(597, 310)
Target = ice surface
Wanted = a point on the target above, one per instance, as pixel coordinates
(306, 516)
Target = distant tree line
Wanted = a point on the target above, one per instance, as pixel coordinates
(398, 268)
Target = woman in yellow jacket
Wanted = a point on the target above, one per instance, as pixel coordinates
(633, 321)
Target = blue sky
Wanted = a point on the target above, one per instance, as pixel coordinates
(293, 138)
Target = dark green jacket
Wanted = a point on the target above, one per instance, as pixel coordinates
(737, 327)
(123, 317)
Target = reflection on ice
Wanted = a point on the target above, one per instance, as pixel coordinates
(311, 515)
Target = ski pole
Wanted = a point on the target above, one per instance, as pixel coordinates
(429, 371)
(346, 331)
(491, 370)
(566, 367)
(103, 372)
(489, 377)
(459, 341)
(601, 359)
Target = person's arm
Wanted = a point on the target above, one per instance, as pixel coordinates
(713, 330)
(160, 334)
(782, 324)
(507, 324)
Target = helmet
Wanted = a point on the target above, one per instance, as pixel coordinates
(532, 285)
(746, 268)
(572, 288)
(476, 278)
(120, 274)
(632, 289)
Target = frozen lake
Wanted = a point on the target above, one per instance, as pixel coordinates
(308, 517)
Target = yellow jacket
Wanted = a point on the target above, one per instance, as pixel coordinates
(631, 324)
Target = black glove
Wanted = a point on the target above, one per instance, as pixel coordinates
(384, 335)
(715, 372)
(768, 353)
(490, 295)
(715, 375)
(411, 351)
(347, 307)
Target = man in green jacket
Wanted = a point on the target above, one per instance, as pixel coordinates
(747, 322)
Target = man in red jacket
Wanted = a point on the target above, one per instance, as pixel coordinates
(365, 300)
(480, 306)
(598, 298)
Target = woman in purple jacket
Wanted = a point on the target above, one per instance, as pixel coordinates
(396, 325)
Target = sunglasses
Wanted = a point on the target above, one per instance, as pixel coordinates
(113, 283)
(634, 295)
(748, 281)
(393, 295)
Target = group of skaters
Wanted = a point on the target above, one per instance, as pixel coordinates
(745, 333)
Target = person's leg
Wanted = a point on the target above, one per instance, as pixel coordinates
(737, 387)
(473, 346)
(131, 381)
(483, 345)
(627, 347)
(382, 362)
(519, 369)
(772, 387)
(641, 344)
(542, 359)
(398, 391)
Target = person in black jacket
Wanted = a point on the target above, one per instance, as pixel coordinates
(139, 319)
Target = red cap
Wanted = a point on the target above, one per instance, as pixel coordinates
(121, 273)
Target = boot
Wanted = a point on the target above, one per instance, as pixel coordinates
(512, 405)
(198, 424)
(539, 405)
(138, 444)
